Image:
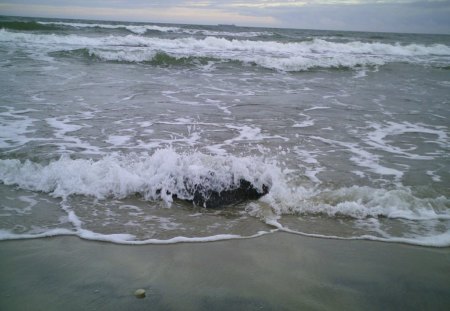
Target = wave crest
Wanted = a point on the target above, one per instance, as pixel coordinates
(154, 177)
(294, 56)
(359, 203)
(26, 26)
(166, 173)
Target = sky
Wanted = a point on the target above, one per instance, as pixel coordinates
(417, 16)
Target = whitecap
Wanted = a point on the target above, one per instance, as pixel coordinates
(294, 56)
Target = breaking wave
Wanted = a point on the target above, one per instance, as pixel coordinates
(166, 171)
(143, 29)
(295, 56)
(153, 177)
(27, 26)
(150, 57)
(137, 29)
(159, 176)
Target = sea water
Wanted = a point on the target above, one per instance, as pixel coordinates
(102, 123)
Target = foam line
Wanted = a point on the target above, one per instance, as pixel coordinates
(440, 240)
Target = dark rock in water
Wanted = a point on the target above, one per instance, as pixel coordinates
(214, 199)
(209, 192)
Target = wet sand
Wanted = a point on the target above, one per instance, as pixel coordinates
(275, 272)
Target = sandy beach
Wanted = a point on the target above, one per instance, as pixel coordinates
(275, 272)
(116, 135)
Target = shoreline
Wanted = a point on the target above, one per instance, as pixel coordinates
(280, 271)
(437, 241)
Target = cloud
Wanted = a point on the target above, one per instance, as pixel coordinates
(429, 16)
(195, 15)
(267, 4)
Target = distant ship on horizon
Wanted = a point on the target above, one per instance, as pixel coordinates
(227, 25)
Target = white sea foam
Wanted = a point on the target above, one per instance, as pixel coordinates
(434, 176)
(165, 172)
(246, 133)
(30, 202)
(68, 142)
(142, 29)
(14, 127)
(63, 126)
(377, 138)
(8, 235)
(364, 158)
(153, 176)
(294, 56)
(437, 240)
(305, 123)
(319, 107)
(250, 134)
(244, 34)
(118, 140)
(127, 239)
(356, 202)
(137, 29)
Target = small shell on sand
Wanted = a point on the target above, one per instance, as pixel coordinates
(139, 293)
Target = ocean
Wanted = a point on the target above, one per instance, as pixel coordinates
(104, 124)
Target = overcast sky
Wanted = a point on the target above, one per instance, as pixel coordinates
(422, 16)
